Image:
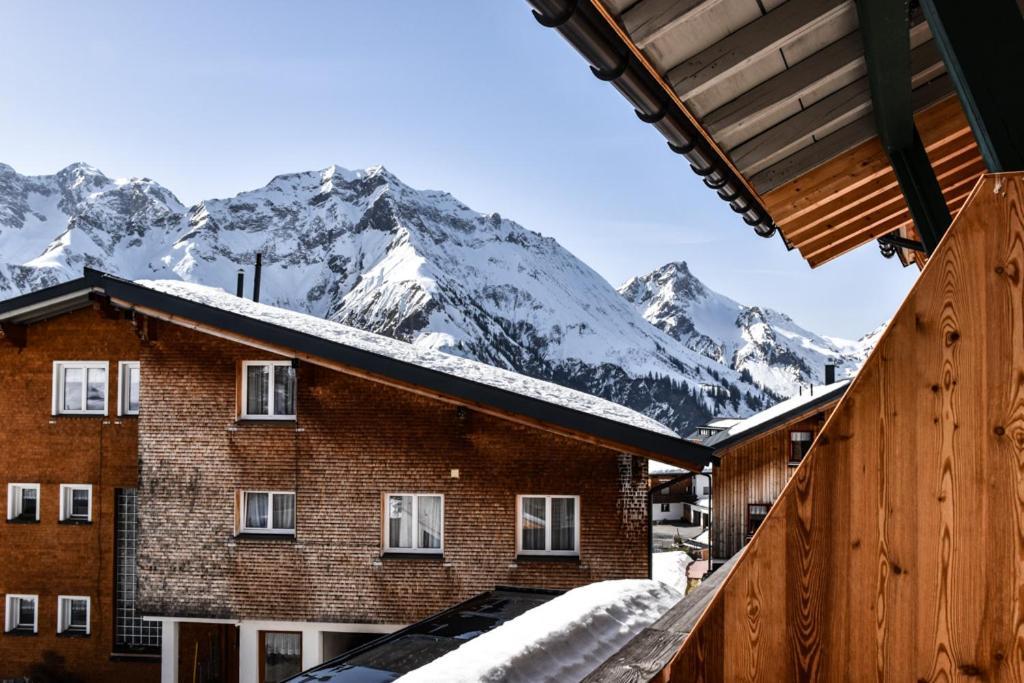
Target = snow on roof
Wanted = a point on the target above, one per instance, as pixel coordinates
(562, 640)
(656, 467)
(472, 370)
(723, 422)
(791, 405)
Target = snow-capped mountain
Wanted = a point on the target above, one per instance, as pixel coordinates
(363, 248)
(763, 345)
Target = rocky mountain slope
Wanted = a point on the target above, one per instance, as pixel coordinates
(363, 248)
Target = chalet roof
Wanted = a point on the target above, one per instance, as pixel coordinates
(757, 94)
(442, 375)
(816, 398)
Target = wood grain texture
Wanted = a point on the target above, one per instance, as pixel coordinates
(896, 551)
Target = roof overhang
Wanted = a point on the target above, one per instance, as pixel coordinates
(805, 410)
(509, 405)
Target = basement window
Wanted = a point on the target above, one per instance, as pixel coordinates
(80, 387)
(548, 525)
(799, 444)
(415, 523)
(73, 615)
(268, 390)
(76, 502)
(21, 614)
(268, 512)
(128, 387)
(23, 502)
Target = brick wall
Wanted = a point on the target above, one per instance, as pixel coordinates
(48, 558)
(353, 442)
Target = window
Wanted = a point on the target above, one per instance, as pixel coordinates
(23, 502)
(268, 390)
(21, 614)
(80, 387)
(131, 632)
(415, 523)
(73, 614)
(756, 512)
(548, 525)
(280, 655)
(128, 387)
(76, 502)
(799, 444)
(268, 512)
(665, 507)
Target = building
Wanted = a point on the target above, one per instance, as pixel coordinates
(756, 458)
(676, 494)
(894, 553)
(712, 427)
(290, 487)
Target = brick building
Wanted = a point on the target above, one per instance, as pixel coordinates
(302, 485)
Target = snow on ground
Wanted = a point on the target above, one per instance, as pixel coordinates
(560, 641)
(670, 568)
(408, 353)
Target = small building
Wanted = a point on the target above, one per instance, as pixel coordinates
(756, 457)
(676, 494)
(201, 487)
(712, 427)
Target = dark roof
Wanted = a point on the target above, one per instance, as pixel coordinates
(777, 415)
(396, 654)
(612, 433)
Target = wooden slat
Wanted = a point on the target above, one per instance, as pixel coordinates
(771, 32)
(903, 529)
(648, 20)
(845, 105)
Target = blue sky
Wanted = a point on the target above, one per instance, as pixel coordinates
(470, 97)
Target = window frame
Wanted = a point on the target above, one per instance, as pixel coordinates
(547, 527)
(11, 487)
(61, 628)
(243, 528)
(65, 514)
(10, 623)
(388, 548)
(666, 507)
(57, 404)
(748, 532)
(244, 412)
(793, 432)
(122, 387)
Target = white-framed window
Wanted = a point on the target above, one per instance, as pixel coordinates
(73, 614)
(268, 512)
(23, 502)
(268, 389)
(128, 373)
(76, 502)
(21, 613)
(666, 507)
(80, 387)
(414, 522)
(548, 525)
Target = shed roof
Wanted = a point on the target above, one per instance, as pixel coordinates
(442, 375)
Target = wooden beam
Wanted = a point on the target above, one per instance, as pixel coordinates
(845, 105)
(774, 30)
(648, 20)
(14, 334)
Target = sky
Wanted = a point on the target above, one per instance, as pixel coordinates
(474, 98)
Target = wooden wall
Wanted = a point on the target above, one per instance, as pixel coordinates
(896, 552)
(752, 472)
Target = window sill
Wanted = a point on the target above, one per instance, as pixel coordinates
(564, 559)
(143, 655)
(73, 634)
(75, 522)
(20, 632)
(272, 538)
(18, 520)
(282, 421)
(75, 416)
(432, 557)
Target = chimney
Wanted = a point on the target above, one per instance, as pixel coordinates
(830, 373)
(240, 287)
(256, 278)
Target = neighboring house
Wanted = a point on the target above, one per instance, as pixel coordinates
(712, 427)
(755, 459)
(676, 494)
(300, 486)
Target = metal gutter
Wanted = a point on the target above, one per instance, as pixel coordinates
(613, 59)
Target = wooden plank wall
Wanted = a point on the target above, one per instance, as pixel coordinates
(752, 472)
(896, 552)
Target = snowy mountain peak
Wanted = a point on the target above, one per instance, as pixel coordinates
(362, 248)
